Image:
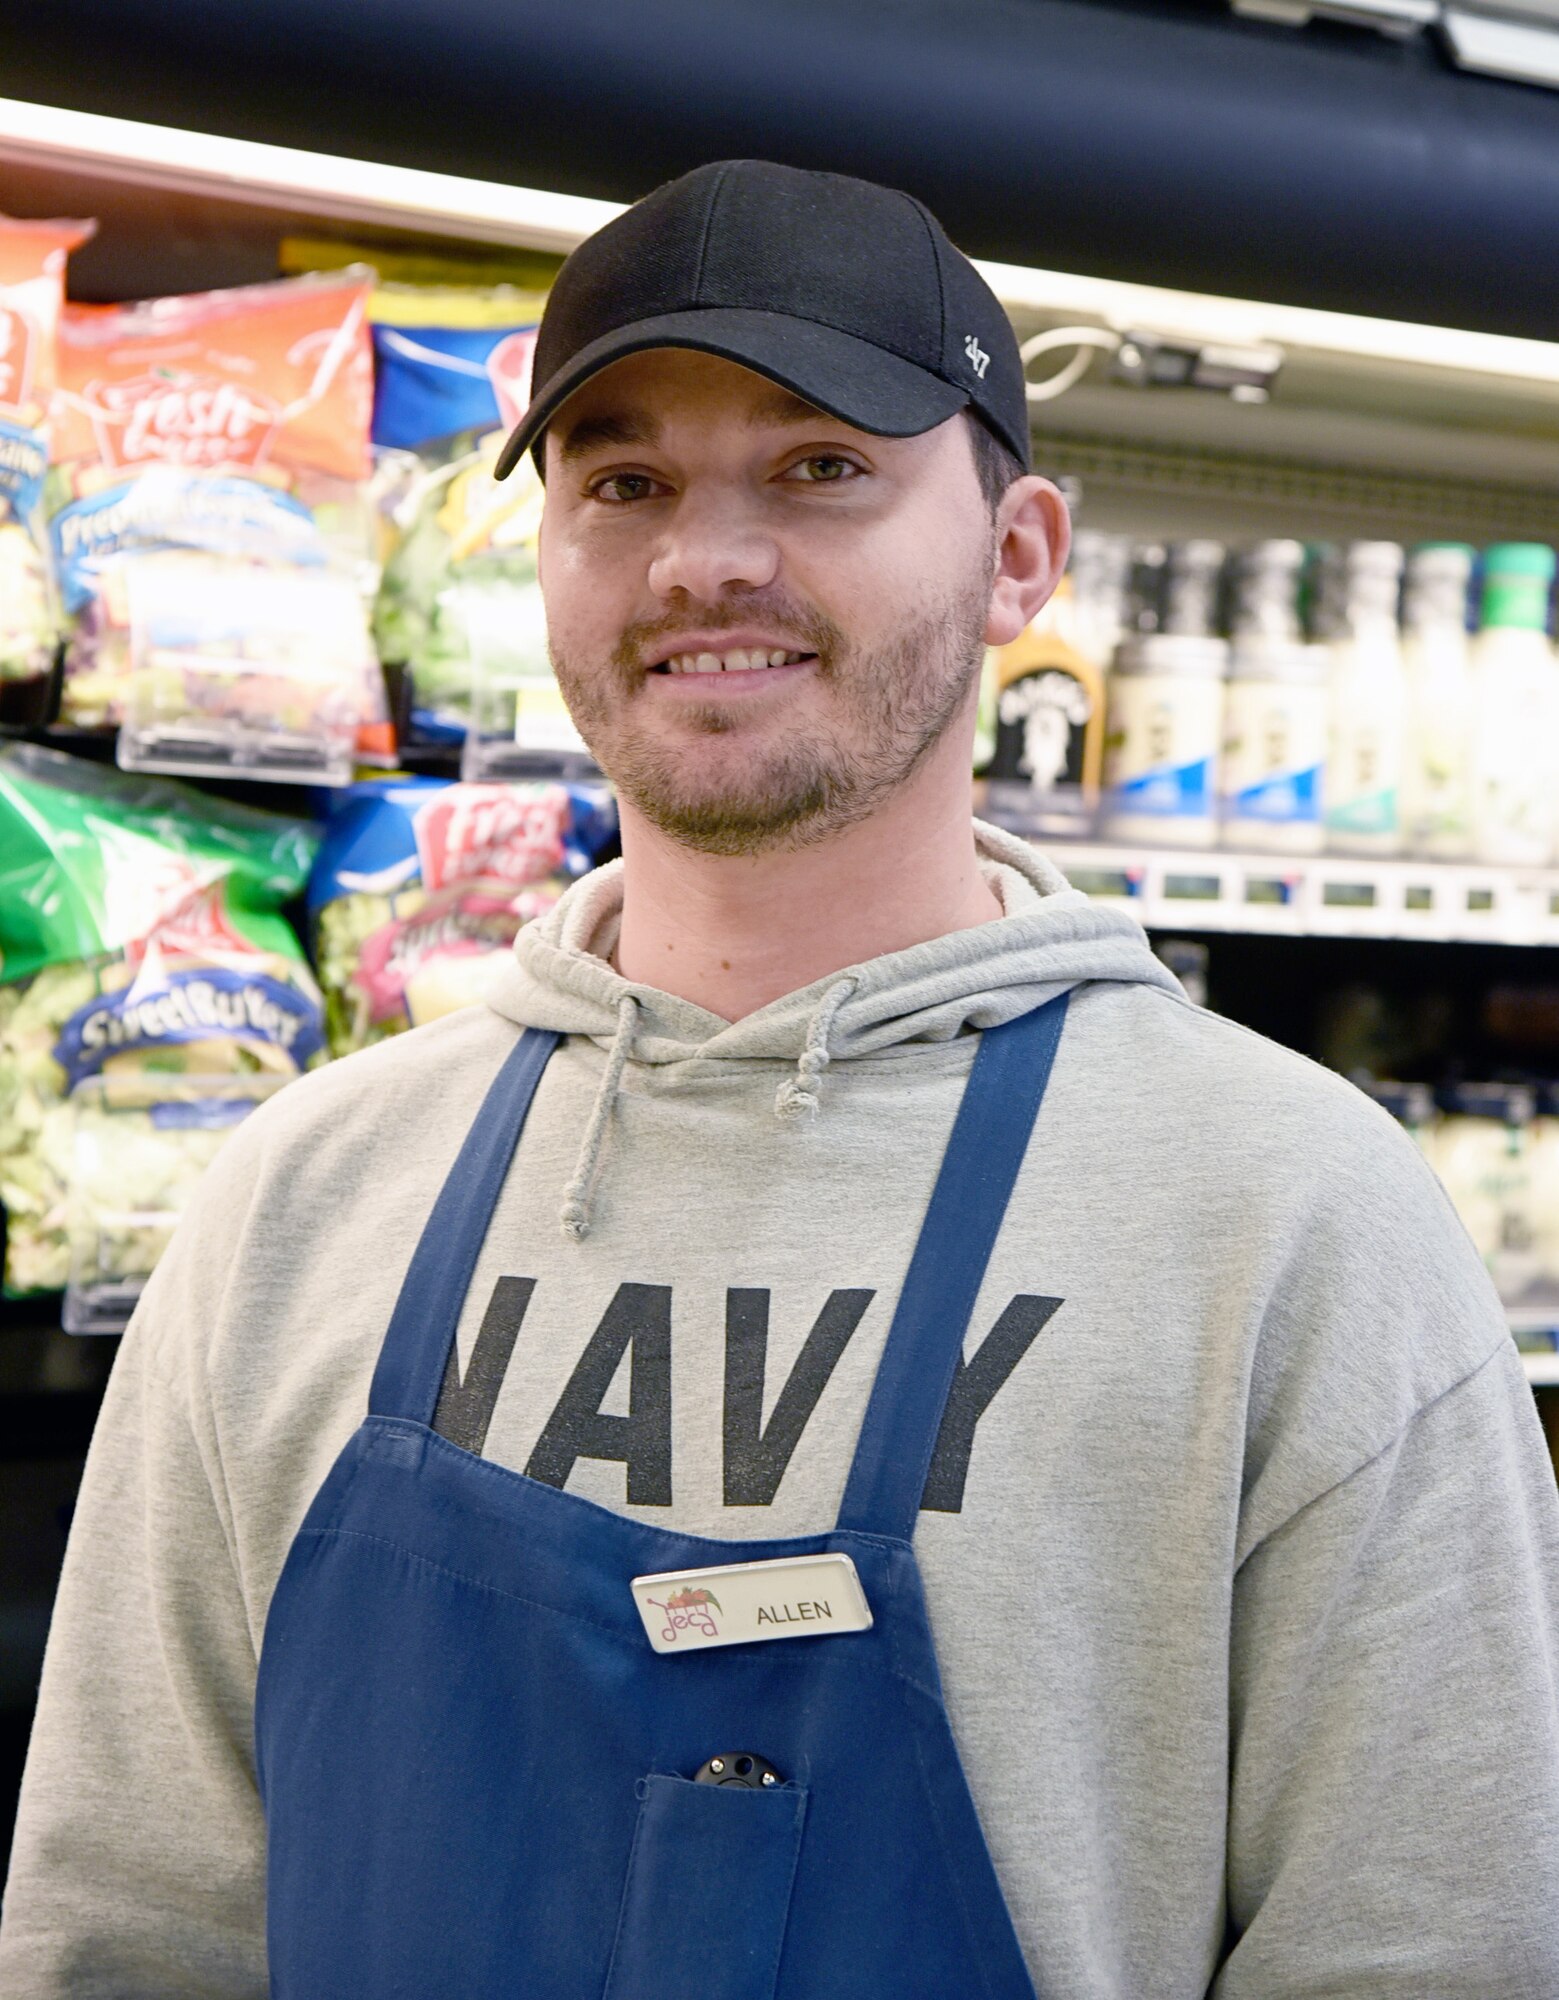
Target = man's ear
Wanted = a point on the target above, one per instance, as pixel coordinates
(1034, 537)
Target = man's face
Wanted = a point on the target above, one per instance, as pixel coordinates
(697, 513)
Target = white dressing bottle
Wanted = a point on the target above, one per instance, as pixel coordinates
(1368, 700)
(1437, 660)
(1514, 763)
(1275, 719)
(1164, 738)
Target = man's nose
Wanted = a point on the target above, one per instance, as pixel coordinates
(712, 545)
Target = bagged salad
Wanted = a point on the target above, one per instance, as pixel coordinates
(150, 995)
(460, 605)
(421, 886)
(231, 429)
(451, 376)
(138, 1144)
(32, 295)
(450, 361)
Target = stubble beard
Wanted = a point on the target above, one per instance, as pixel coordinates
(889, 708)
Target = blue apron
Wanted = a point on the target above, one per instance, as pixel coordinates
(477, 1773)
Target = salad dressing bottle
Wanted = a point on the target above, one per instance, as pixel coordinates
(1437, 660)
(1514, 762)
(1275, 720)
(1044, 698)
(1368, 688)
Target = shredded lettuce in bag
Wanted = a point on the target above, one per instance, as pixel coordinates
(233, 424)
(452, 379)
(421, 887)
(140, 1144)
(140, 938)
(462, 534)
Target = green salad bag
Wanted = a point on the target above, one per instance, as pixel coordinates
(150, 994)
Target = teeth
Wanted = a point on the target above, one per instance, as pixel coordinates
(743, 660)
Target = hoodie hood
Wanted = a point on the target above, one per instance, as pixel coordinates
(1049, 938)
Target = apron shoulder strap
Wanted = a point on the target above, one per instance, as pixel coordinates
(989, 1139)
(411, 1362)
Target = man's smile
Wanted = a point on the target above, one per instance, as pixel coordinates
(738, 660)
(739, 650)
(725, 664)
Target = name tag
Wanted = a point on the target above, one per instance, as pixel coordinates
(798, 1597)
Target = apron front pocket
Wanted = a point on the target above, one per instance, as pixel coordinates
(707, 1897)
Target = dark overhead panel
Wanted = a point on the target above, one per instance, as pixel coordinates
(1171, 143)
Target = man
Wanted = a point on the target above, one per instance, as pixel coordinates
(1197, 1423)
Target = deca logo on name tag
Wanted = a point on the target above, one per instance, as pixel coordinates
(797, 1597)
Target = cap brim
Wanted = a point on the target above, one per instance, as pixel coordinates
(849, 378)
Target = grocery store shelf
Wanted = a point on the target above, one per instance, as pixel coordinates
(1251, 472)
(1328, 896)
(1242, 322)
(296, 183)
(1374, 427)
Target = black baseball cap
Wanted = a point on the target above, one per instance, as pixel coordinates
(847, 293)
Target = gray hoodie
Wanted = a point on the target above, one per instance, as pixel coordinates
(1241, 1542)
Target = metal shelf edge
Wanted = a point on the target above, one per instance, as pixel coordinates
(412, 198)
(1284, 895)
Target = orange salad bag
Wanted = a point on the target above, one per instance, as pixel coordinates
(32, 293)
(233, 424)
(271, 380)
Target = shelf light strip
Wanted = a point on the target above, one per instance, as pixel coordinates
(1206, 317)
(488, 211)
(316, 183)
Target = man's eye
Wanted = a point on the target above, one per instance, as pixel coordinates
(619, 487)
(824, 468)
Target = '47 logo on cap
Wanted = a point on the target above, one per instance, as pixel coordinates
(979, 360)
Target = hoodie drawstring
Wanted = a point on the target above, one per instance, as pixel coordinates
(797, 1096)
(575, 1214)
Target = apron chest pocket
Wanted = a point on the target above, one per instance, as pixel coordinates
(708, 1892)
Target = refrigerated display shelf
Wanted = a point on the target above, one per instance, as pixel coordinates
(1374, 426)
(1446, 404)
(432, 760)
(284, 180)
(1215, 889)
(1228, 489)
